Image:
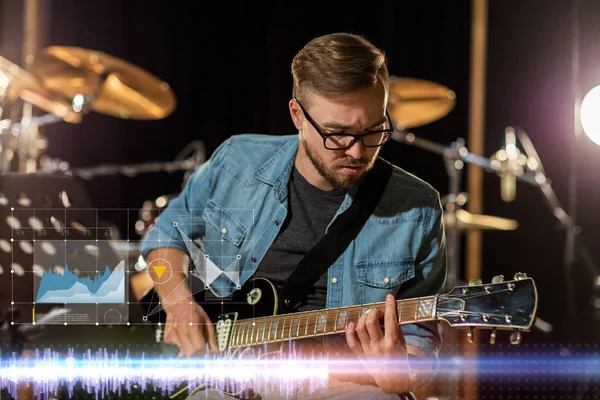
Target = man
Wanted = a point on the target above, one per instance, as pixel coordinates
(264, 201)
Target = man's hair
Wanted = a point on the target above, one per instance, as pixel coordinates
(337, 64)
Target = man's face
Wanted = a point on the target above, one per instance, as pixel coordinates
(356, 113)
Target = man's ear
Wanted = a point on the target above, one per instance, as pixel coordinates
(296, 114)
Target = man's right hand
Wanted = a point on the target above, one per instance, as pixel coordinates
(189, 328)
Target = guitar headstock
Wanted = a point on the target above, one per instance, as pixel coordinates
(503, 305)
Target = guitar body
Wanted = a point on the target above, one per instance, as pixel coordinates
(256, 298)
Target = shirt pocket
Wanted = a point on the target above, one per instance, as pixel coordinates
(221, 224)
(378, 278)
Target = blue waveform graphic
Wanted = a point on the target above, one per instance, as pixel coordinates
(100, 372)
(106, 287)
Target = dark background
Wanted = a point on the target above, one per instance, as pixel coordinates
(229, 66)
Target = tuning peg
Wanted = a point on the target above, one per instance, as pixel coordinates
(515, 337)
(498, 279)
(493, 336)
(471, 335)
(519, 276)
(475, 282)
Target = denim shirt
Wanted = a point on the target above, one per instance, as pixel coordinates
(234, 205)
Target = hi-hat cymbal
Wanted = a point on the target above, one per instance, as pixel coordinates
(464, 220)
(19, 83)
(416, 102)
(116, 87)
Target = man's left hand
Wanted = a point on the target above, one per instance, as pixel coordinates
(382, 352)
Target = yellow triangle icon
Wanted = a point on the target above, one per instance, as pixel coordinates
(159, 269)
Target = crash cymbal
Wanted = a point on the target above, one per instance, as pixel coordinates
(464, 220)
(416, 102)
(17, 83)
(116, 87)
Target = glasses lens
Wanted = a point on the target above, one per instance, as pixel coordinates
(375, 139)
(338, 142)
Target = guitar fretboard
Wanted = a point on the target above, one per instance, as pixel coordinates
(309, 324)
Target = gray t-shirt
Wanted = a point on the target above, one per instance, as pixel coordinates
(310, 210)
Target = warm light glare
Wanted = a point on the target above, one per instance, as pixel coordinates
(590, 114)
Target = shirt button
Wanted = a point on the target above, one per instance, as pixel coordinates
(276, 222)
(224, 231)
(387, 280)
(333, 280)
(253, 259)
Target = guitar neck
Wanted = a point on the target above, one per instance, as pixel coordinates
(310, 324)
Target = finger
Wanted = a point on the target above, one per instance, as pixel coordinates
(361, 331)
(170, 336)
(391, 327)
(185, 342)
(373, 325)
(352, 341)
(197, 341)
(212, 336)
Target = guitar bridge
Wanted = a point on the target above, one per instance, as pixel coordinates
(224, 327)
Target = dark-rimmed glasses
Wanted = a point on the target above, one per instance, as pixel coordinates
(342, 141)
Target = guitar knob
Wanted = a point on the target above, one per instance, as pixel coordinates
(493, 336)
(471, 335)
(498, 279)
(475, 282)
(519, 276)
(515, 337)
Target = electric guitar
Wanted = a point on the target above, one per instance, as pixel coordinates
(249, 317)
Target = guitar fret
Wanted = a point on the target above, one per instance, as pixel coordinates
(416, 309)
(347, 312)
(270, 329)
(307, 321)
(247, 330)
(337, 315)
(282, 328)
(316, 319)
(232, 339)
(264, 327)
(233, 335)
(236, 327)
(257, 332)
(291, 326)
(298, 326)
(401, 308)
(274, 328)
(321, 322)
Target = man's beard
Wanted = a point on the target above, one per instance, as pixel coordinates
(339, 181)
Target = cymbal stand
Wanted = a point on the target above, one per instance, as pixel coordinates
(454, 167)
(5, 139)
(29, 142)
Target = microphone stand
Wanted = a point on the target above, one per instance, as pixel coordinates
(455, 156)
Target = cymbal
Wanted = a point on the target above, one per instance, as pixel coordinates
(464, 220)
(116, 87)
(416, 102)
(20, 83)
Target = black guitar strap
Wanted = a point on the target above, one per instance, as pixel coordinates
(338, 237)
